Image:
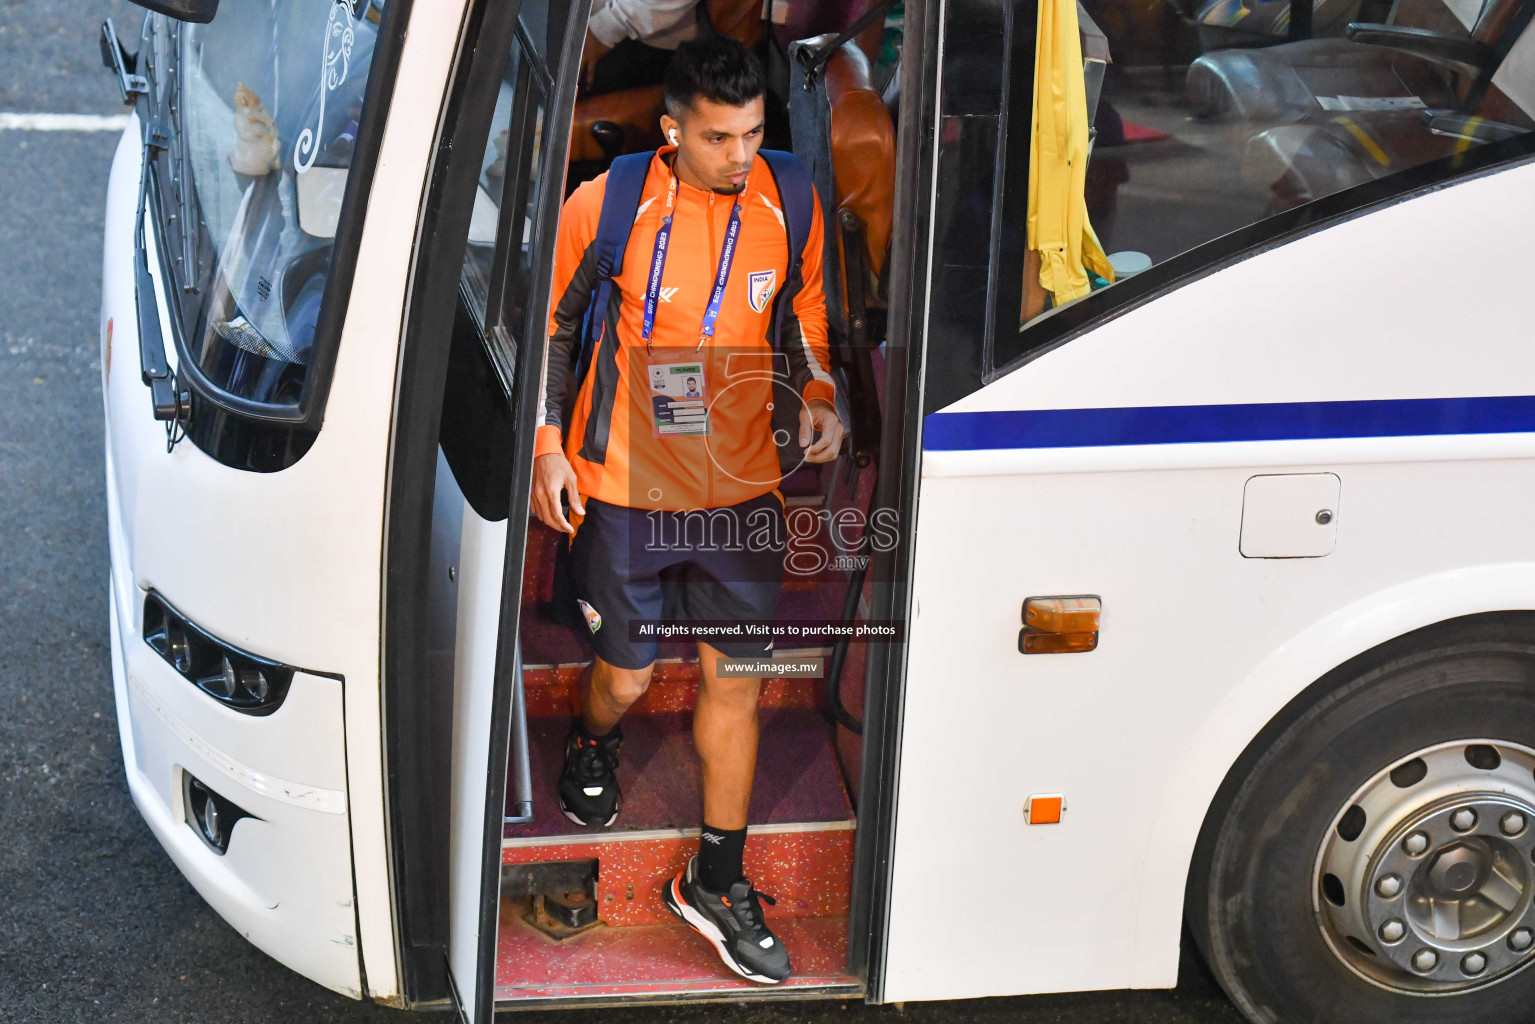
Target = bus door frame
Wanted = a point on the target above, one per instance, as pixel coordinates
(896, 487)
(418, 723)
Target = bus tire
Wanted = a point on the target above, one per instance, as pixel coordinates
(1360, 789)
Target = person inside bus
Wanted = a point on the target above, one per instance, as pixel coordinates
(707, 235)
(629, 43)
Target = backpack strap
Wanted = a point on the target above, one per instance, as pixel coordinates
(620, 200)
(798, 197)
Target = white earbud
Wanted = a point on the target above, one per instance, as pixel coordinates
(672, 135)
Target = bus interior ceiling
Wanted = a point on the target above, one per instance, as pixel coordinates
(581, 912)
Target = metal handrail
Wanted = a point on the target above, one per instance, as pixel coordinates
(521, 800)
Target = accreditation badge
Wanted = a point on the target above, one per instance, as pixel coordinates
(679, 398)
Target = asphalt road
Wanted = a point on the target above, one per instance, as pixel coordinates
(95, 922)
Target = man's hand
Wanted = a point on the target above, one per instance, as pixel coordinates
(551, 475)
(820, 415)
(594, 50)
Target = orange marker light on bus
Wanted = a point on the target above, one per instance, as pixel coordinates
(1044, 809)
(1060, 625)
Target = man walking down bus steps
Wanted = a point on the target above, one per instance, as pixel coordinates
(708, 287)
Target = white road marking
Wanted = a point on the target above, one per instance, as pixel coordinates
(63, 122)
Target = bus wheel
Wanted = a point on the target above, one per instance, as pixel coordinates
(1372, 858)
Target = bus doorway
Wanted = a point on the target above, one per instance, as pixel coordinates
(578, 914)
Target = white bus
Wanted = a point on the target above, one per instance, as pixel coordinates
(1214, 587)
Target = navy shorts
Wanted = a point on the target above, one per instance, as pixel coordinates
(643, 565)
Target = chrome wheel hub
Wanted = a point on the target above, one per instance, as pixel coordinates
(1425, 883)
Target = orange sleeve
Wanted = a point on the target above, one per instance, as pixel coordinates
(569, 296)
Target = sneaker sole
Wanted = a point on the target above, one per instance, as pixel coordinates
(709, 930)
(577, 819)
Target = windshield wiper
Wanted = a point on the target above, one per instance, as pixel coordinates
(129, 83)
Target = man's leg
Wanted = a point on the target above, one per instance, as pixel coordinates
(725, 733)
(611, 580)
(608, 691)
(712, 893)
(588, 787)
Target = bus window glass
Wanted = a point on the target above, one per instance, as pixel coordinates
(270, 97)
(493, 284)
(513, 147)
(479, 257)
(1209, 118)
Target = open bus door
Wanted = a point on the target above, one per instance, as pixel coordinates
(462, 463)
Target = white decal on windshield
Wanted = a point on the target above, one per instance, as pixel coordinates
(333, 71)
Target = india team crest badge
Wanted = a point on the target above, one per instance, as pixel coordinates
(760, 288)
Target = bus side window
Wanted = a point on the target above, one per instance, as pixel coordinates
(477, 429)
(1261, 125)
(1193, 165)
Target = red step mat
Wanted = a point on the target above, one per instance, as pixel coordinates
(797, 775)
(808, 869)
(551, 690)
(654, 960)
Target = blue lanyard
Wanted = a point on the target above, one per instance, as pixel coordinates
(658, 265)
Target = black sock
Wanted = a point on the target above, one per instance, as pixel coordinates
(719, 857)
(587, 734)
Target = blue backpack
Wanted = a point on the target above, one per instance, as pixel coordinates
(620, 202)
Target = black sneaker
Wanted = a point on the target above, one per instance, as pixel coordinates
(589, 781)
(733, 922)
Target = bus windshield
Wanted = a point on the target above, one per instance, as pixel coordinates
(270, 101)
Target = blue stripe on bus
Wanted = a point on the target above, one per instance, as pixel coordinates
(1191, 424)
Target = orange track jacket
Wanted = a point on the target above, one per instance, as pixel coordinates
(606, 432)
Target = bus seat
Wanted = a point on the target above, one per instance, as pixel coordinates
(863, 156)
(845, 138)
(738, 19)
(1286, 83)
(638, 111)
(1314, 152)
(1296, 163)
(844, 135)
(1280, 84)
(1224, 23)
(803, 19)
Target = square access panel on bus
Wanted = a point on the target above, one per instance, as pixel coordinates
(1290, 515)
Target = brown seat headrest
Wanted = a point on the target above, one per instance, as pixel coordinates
(862, 148)
(739, 19)
(637, 111)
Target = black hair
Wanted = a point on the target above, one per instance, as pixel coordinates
(717, 68)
